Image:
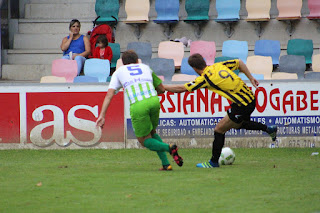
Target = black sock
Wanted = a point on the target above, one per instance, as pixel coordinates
(217, 145)
(252, 125)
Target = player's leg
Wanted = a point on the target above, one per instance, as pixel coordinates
(219, 137)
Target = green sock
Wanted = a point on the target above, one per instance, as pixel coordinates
(162, 155)
(157, 137)
(163, 158)
(155, 145)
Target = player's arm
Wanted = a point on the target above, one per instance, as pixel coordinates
(101, 119)
(243, 68)
(157, 83)
(175, 88)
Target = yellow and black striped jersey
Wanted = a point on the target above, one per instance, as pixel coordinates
(221, 79)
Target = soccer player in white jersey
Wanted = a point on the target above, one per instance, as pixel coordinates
(142, 87)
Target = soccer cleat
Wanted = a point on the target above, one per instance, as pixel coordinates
(272, 131)
(176, 157)
(166, 168)
(208, 165)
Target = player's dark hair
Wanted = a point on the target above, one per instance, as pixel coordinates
(103, 39)
(129, 57)
(73, 21)
(197, 61)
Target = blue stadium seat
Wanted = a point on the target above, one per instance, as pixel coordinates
(85, 79)
(268, 48)
(163, 67)
(256, 76)
(143, 50)
(98, 68)
(312, 75)
(293, 64)
(167, 11)
(237, 49)
(186, 68)
(228, 10)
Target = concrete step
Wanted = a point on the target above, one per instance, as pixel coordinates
(38, 41)
(59, 11)
(31, 57)
(25, 72)
(45, 26)
(60, 1)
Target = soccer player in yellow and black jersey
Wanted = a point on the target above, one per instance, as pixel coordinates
(221, 79)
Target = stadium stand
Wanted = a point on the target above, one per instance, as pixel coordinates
(143, 50)
(163, 67)
(301, 47)
(171, 50)
(116, 54)
(268, 48)
(237, 49)
(107, 11)
(258, 11)
(167, 15)
(64, 68)
(98, 68)
(198, 14)
(293, 64)
(52, 79)
(260, 65)
(205, 48)
(228, 13)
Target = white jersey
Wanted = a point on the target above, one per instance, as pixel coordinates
(137, 81)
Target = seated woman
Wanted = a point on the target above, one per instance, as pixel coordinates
(75, 46)
(103, 51)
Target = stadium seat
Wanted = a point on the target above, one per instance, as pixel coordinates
(228, 10)
(256, 76)
(312, 75)
(301, 47)
(137, 11)
(314, 8)
(64, 68)
(119, 63)
(268, 48)
(115, 54)
(237, 49)
(284, 75)
(289, 9)
(197, 10)
(205, 48)
(183, 77)
(258, 10)
(293, 64)
(226, 58)
(186, 68)
(85, 79)
(98, 68)
(52, 79)
(143, 49)
(105, 9)
(167, 11)
(260, 65)
(316, 63)
(163, 67)
(171, 50)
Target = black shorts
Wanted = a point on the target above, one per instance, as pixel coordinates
(241, 113)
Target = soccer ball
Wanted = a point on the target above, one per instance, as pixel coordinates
(227, 156)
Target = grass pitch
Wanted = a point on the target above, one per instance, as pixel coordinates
(261, 180)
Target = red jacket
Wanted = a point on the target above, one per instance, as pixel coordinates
(107, 53)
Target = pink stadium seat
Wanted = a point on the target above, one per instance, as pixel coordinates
(289, 9)
(314, 8)
(183, 77)
(171, 50)
(65, 68)
(205, 48)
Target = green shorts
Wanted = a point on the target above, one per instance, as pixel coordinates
(145, 116)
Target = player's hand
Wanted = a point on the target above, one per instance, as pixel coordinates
(100, 122)
(254, 82)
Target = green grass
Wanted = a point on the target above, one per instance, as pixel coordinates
(261, 180)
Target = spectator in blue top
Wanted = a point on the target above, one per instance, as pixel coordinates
(75, 46)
